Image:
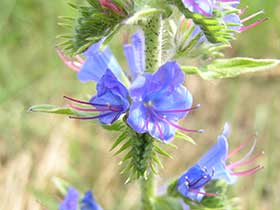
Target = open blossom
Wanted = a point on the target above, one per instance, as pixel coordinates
(71, 201)
(111, 100)
(159, 101)
(214, 165)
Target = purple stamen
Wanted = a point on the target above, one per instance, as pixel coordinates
(238, 149)
(174, 124)
(258, 22)
(160, 131)
(245, 162)
(111, 107)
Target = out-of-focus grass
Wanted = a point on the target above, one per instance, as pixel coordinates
(44, 146)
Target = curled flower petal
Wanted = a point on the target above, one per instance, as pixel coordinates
(135, 54)
(97, 62)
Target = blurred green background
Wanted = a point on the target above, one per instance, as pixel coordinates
(36, 147)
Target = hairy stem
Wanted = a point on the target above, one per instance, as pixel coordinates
(153, 38)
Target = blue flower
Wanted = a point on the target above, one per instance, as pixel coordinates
(110, 102)
(213, 166)
(159, 101)
(71, 201)
(89, 203)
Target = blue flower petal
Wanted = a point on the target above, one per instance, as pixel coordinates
(89, 203)
(137, 117)
(70, 201)
(215, 157)
(192, 182)
(97, 62)
(135, 54)
(112, 97)
(204, 7)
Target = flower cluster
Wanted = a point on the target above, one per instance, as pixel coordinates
(153, 102)
(72, 202)
(231, 16)
(213, 166)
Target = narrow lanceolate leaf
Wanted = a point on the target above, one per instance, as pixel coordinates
(162, 152)
(185, 137)
(233, 67)
(47, 108)
(119, 140)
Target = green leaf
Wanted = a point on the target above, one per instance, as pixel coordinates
(53, 109)
(185, 137)
(47, 108)
(167, 203)
(233, 67)
(120, 139)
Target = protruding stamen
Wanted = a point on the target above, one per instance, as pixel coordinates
(238, 149)
(80, 59)
(111, 107)
(248, 172)
(159, 129)
(76, 66)
(203, 193)
(244, 162)
(180, 110)
(252, 16)
(258, 22)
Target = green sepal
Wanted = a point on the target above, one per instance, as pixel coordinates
(184, 137)
(232, 67)
(213, 27)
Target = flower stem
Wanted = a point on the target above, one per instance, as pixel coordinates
(148, 192)
(153, 37)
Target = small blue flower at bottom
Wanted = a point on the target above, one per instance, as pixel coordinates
(110, 102)
(213, 166)
(71, 201)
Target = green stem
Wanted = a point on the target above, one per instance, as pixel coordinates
(153, 36)
(148, 192)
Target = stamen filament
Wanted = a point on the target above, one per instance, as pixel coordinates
(111, 107)
(248, 172)
(245, 162)
(258, 22)
(238, 149)
(252, 16)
